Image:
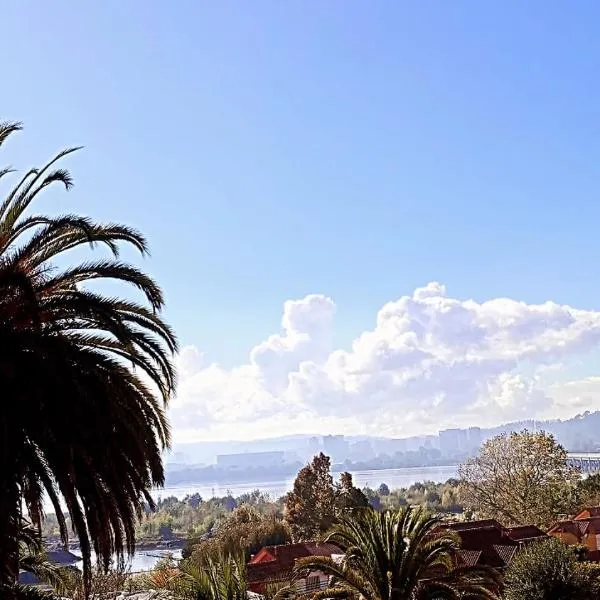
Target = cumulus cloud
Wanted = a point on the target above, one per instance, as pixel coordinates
(430, 361)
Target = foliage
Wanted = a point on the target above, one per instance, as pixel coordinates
(316, 502)
(437, 497)
(310, 506)
(397, 555)
(243, 533)
(25, 592)
(587, 491)
(521, 478)
(33, 559)
(222, 577)
(90, 426)
(195, 519)
(549, 570)
(383, 490)
(348, 498)
(101, 582)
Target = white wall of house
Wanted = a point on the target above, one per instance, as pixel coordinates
(315, 580)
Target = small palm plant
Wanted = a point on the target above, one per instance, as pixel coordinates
(398, 555)
(33, 559)
(215, 578)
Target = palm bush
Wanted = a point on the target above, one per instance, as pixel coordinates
(221, 578)
(398, 555)
(85, 375)
(549, 570)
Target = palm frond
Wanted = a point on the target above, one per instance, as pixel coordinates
(7, 128)
(25, 592)
(396, 555)
(85, 378)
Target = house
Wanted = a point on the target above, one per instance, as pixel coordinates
(587, 513)
(488, 543)
(583, 529)
(275, 564)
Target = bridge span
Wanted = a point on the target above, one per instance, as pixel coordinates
(586, 462)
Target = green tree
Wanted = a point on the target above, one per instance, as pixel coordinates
(587, 491)
(521, 478)
(310, 506)
(194, 500)
(348, 498)
(245, 531)
(549, 570)
(85, 376)
(383, 490)
(316, 502)
(398, 555)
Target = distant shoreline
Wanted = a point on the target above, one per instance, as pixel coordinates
(251, 476)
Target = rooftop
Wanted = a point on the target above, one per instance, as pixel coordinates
(275, 562)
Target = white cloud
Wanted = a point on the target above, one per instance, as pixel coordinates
(431, 361)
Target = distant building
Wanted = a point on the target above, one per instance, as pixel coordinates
(251, 459)
(450, 441)
(453, 441)
(310, 448)
(336, 447)
(359, 451)
(475, 438)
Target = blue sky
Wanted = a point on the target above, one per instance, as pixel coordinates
(353, 149)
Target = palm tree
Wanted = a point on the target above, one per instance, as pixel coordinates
(216, 577)
(398, 555)
(32, 558)
(220, 578)
(85, 376)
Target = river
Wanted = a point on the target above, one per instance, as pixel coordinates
(394, 478)
(145, 560)
(142, 560)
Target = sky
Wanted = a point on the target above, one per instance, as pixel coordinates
(367, 217)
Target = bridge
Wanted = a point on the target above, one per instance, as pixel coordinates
(586, 462)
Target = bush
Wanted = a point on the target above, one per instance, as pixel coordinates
(549, 570)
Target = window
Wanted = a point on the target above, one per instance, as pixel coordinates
(313, 583)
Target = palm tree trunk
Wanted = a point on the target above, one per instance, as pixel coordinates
(9, 511)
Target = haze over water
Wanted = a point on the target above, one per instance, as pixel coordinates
(394, 478)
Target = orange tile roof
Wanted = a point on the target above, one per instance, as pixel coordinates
(277, 562)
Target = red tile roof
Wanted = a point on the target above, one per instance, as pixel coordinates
(469, 558)
(577, 527)
(495, 544)
(586, 513)
(504, 553)
(481, 524)
(277, 562)
(525, 533)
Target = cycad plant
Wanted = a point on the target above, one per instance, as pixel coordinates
(222, 578)
(398, 555)
(85, 376)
